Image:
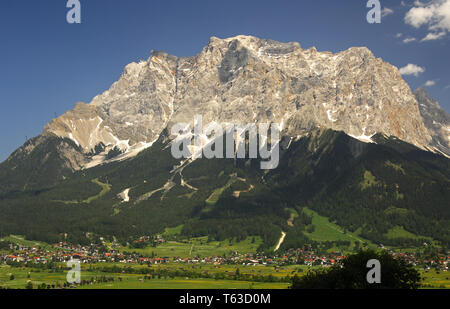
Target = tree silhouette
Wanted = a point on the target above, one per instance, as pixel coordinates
(351, 272)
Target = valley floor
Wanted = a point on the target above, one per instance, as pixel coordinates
(184, 264)
(48, 279)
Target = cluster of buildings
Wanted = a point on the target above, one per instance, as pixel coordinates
(438, 260)
(63, 252)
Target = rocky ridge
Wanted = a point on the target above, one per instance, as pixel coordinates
(245, 79)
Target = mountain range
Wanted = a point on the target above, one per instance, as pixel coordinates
(357, 146)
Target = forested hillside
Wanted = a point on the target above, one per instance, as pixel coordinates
(370, 190)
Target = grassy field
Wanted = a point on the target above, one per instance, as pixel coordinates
(400, 232)
(326, 230)
(262, 270)
(431, 278)
(214, 197)
(20, 240)
(105, 189)
(198, 247)
(136, 281)
(129, 281)
(435, 280)
(173, 230)
(182, 283)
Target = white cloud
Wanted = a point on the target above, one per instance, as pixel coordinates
(412, 69)
(433, 36)
(418, 16)
(398, 35)
(386, 11)
(429, 83)
(435, 15)
(408, 40)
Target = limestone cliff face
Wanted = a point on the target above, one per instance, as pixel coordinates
(436, 120)
(245, 79)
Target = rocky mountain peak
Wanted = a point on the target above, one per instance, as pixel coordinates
(246, 79)
(436, 120)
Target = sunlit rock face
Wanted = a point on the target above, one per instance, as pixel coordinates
(436, 120)
(245, 79)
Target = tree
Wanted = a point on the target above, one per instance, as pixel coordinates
(237, 274)
(351, 273)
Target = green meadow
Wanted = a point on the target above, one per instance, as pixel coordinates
(20, 240)
(324, 230)
(433, 279)
(21, 276)
(182, 283)
(198, 247)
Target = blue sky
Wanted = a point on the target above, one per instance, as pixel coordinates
(47, 65)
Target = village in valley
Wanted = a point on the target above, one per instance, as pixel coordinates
(64, 252)
(108, 258)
